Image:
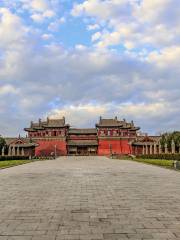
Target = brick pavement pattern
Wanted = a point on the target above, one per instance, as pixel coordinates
(89, 198)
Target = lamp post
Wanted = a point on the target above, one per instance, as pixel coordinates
(110, 149)
(55, 146)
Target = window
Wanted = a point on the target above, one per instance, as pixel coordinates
(115, 132)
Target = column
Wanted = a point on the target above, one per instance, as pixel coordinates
(143, 150)
(136, 150)
(9, 151)
(166, 148)
(3, 151)
(155, 148)
(22, 151)
(150, 148)
(146, 151)
(160, 149)
(17, 151)
(13, 151)
(173, 151)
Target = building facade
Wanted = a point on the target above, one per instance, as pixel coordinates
(55, 137)
(21, 147)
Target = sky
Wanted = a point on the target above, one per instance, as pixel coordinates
(89, 58)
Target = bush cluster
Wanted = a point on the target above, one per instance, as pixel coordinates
(4, 158)
(160, 156)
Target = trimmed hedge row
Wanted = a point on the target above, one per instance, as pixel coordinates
(160, 156)
(4, 158)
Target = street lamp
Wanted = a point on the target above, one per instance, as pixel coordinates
(110, 149)
(55, 153)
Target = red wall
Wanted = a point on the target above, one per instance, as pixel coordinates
(47, 146)
(137, 150)
(119, 146)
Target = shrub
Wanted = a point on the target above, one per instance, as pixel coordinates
(4, 158)
(160, 156)
(158, 162)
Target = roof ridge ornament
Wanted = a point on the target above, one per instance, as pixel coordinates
(39, 121)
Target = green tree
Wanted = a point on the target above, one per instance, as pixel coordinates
(2, 143)
(167, 138)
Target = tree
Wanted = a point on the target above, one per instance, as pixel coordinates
(167, 138)
(2, 143)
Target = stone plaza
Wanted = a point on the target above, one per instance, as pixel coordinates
(89, 198)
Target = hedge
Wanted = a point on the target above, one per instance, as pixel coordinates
(4, 158)
(160, 156)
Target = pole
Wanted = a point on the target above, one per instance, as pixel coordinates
(110, 149)
(55, 151)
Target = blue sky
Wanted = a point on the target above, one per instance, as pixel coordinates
(83, 59)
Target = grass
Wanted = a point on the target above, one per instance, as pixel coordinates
(11, 163)
(122, 157)
(157, 162)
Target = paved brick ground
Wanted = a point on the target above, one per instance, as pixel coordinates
(89, 198)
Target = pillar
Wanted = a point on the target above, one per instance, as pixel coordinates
(143, 152)
(150, 148)
(17, 151)
(155, 149)
(22, 152)
(160, 149)
(146, 151)
(3, 151)
(9, 151)
(13, 151)
(166, 148)
(173, 151)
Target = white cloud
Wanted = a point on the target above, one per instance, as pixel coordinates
(93, 27)
(134, 23)
(36, 5)
(80, 47)
(98, 8)
(167, 58)
(85, 82)
(47, 36)
(39, 10)
(49, 14)
(7, 89)
(88, 114)
(37, 17)
(79, 115)
(96, 36)
(40, 17)
(12, 31)
(54, 26)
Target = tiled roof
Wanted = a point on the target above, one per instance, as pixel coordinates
(55, 123)
(50, 123)
(148, 138)
(141, 140)
(25, 142)
(83, 143)
(114, 122)
(109, 122)
(82, 131)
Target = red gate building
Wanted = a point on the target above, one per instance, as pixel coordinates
(55, 137)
